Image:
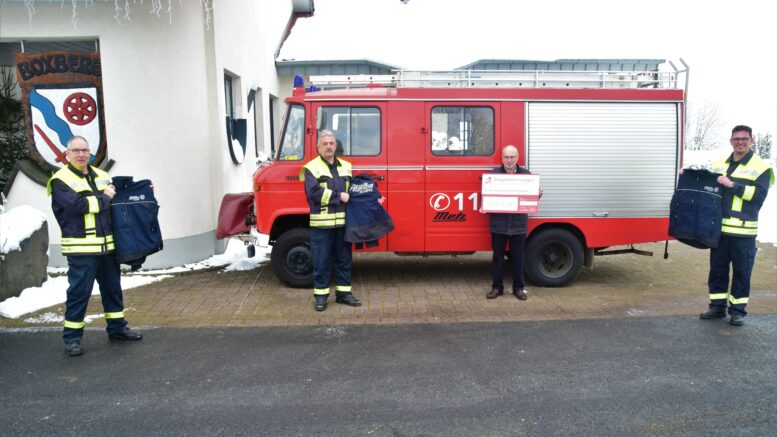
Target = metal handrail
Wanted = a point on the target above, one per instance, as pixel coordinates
(507, 78)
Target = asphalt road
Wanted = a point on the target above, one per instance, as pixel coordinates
(636, 376)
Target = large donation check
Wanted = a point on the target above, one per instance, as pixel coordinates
(506, 193)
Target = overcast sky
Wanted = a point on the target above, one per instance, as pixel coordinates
(730, 46)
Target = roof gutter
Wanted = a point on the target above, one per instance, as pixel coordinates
(299, 9)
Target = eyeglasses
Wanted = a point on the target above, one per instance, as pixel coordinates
(79, 150)
(740, 139)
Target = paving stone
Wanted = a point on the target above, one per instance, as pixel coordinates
(402, 290)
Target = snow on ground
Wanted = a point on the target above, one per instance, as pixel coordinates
(234, 258)
(52, 292)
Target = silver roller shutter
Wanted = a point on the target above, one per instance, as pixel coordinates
(603, 159)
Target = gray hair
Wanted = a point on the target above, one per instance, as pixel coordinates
(76, 137)
(326, 133)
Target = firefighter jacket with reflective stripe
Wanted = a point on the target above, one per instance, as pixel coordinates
(82, 210)
(134, 215)
(697, 209)
(366, 220)
(323, 185)
(741, 203)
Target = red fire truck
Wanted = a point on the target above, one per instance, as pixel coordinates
(607, 147)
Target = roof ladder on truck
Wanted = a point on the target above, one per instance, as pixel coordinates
(506, 79)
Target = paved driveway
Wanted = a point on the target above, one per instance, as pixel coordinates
(402, 290)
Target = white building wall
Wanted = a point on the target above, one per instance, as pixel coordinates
(164, 103)
(246, 53)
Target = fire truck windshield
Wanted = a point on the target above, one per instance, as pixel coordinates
(292, 146)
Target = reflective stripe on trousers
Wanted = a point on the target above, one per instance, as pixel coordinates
(328, 245)
(81, 274)
(739, 253)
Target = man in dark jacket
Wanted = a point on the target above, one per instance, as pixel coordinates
(81, 199)
(508, 228)
(746, 179)
(327, 179)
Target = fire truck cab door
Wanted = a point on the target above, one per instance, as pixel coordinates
(360, 130)
(462, 144)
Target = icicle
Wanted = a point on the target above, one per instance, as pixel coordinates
(156, 9)
(207, 7)
(74, 18)
(30, 5)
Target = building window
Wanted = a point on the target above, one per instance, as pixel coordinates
(258, 105)
(228, 102)
(462, 131)
(357, 129)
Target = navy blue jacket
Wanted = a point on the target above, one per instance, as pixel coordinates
(134, 213)
(696, 211)
(69, 207)
(365, 218)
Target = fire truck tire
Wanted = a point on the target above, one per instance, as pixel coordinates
(292, 260)
(553, 258)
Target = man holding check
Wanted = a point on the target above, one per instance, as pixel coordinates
(508, 228)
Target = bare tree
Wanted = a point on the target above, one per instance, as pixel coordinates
(763, 145)
(702, 124)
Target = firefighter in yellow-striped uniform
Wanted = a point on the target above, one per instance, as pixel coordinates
(81, 199)
(327, 180)
(746, 178)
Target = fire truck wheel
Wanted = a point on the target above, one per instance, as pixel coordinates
(292, 260)
(553, 258)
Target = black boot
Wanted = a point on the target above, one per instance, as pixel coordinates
(713, 313)
(126, 334)
(73, 348)
(348, 299)
(737, 319)
(320, 304)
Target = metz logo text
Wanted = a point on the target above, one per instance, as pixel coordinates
(443, 216)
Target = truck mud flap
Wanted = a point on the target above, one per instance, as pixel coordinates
(235, 207)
